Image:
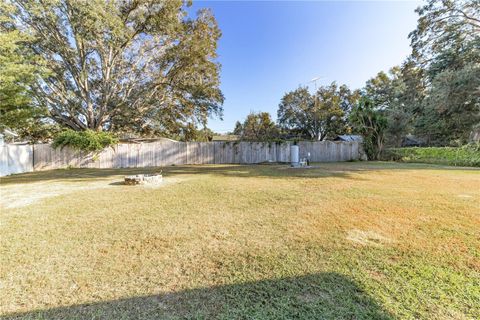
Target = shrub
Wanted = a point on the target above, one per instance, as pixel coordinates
(88, 140)
(467, 155)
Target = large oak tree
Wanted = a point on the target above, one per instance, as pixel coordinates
(447, 35)
(131, 65)
(319, 115)
(446, 44)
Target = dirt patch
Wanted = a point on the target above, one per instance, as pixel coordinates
(22, 195)
(367, 238)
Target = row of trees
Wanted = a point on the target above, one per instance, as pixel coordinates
(434, 95)
(303, 115)
(145, 67)
(332, 110)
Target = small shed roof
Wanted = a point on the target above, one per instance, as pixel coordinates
(7, 132)
(349, 138)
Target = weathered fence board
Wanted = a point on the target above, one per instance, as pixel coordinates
(200, 153)
(14, 159)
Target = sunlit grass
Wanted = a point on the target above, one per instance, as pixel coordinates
(344, 240)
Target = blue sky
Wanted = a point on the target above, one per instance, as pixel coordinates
(271, 47)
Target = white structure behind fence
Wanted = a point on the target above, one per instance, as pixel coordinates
(168, 152)
(15, 159)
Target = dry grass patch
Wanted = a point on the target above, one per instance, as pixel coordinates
(339, 241)
(367, 238)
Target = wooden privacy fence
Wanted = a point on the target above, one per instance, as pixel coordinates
(169, 152)
(25, 158)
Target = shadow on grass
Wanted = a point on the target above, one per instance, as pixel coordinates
(84, 174)
(317, 296)
(318, 170)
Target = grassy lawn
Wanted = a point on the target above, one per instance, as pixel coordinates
(339, 241)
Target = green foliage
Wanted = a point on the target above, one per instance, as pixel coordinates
(447, 35)
(237, 130)
(380, 90)
(442, 113)
(257, 127)
(384, 91)
(38, 131)
(317, 116)
(88, 140)
(191, 133)
(445, 45)
(205, 134)
(434, 94)
(370, 123)
(19, 68)
(468, 155)
(125, 66)
(452, 107)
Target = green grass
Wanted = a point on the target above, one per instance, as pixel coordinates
(468, 155)
(339, 241)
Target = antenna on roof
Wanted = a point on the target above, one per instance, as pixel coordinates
(314, 80)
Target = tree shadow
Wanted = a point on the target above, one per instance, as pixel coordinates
(240, 171)
(316, 296)
(318, 170)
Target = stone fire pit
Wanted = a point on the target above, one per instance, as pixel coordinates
(155, 178)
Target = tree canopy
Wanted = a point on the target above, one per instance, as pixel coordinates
(19, 69)
(446, 46)
(319, 115)
(257, 127)
(149, 67)
(369, 122)
(435, 94)
(447, 35)
(141, 66)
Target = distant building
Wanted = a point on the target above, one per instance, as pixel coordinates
(7, 135)
(349, 138)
